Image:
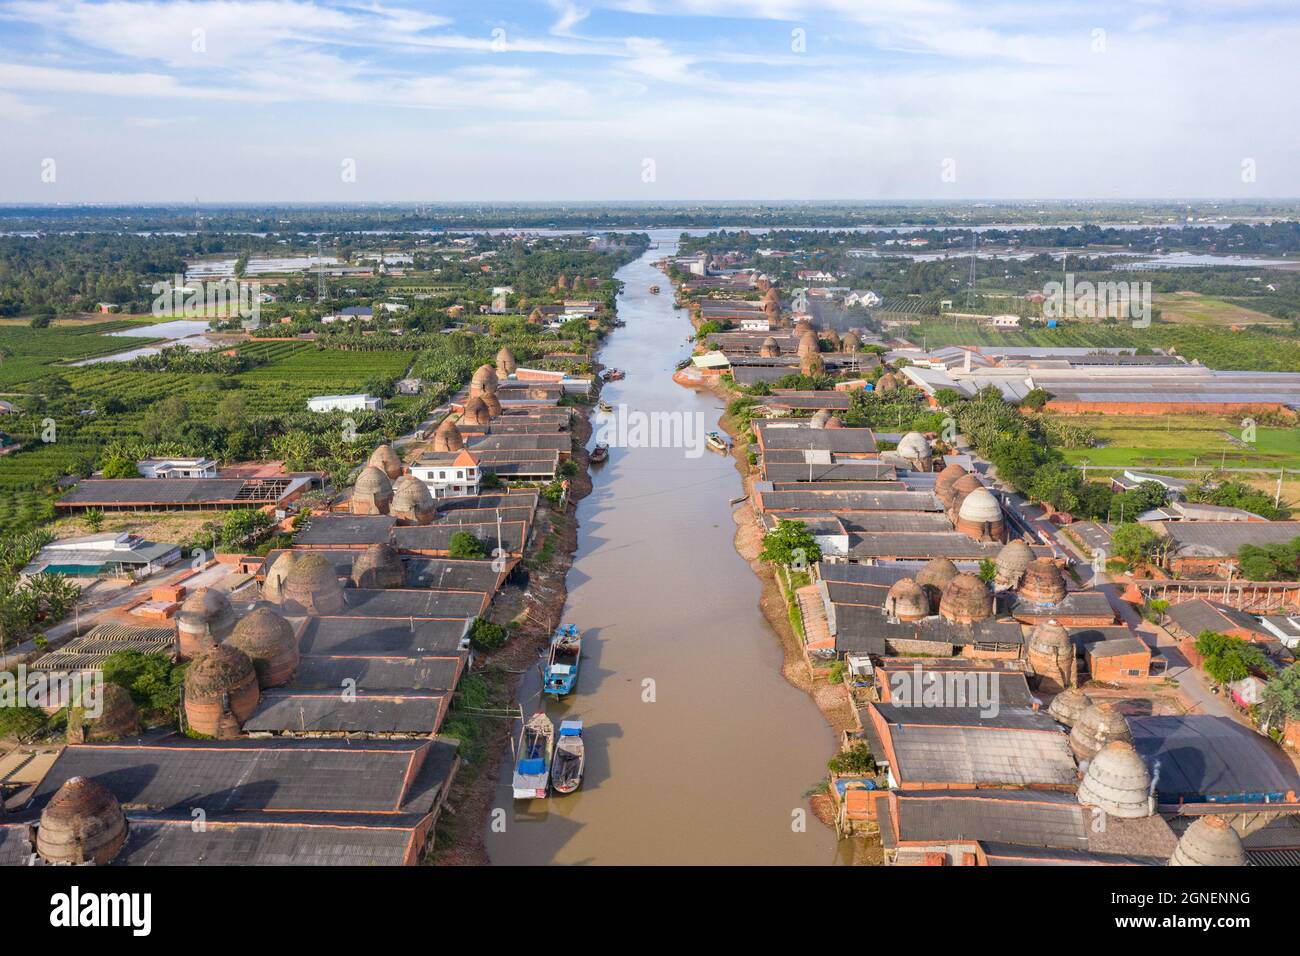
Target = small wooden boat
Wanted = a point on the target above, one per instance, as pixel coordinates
(716, 441)
(600, 452)
(613, 375)
(605, 407)
(654, 290)
(533, 760)
(570, 757)
(561, 671)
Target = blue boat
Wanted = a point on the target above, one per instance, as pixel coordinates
(561, 671)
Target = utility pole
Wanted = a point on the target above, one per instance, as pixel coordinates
(1277, 497)
(320, 271)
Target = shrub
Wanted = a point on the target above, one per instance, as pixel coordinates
(1281, 698)
(1134, 542)
(120, 466)
(791, 544)
(21, 723)
(857, 759)
(465, 545)
(1227, 658)
(487, 635)
(153, 681)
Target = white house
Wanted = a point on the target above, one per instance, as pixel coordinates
(345, 403)
(177, 468)
(863, 297)
(449, 474)
(759, 323)
(353, 313)
(1005, 322)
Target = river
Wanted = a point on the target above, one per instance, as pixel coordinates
(711, 761)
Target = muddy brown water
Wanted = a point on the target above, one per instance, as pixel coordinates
(698, 751)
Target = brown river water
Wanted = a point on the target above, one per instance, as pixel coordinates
(715, 768)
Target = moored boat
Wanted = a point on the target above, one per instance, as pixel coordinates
(600, 452)
(570, 758)
(605, 406)
(716, 441)
(654, 290)
(533, 759)
(561, 671)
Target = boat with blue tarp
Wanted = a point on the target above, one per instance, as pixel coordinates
(561, 671)
(533, 759)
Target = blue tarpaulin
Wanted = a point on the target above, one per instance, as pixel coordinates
(532, 767)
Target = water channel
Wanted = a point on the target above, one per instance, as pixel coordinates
(714, 768)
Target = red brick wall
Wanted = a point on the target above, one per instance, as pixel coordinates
(1170, 408)
(1115, 668)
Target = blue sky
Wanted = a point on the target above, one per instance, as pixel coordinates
(646, 100)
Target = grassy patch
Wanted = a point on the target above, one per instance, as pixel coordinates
(30, 353)
(1188, 440)
(1196, 309)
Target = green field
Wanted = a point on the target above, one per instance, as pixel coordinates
(1196, 309)
(1183, 440)
(27, 353)
(294, 372)
(1216, 347)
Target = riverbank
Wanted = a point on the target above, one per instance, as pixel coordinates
(831, 699)
(533, 613)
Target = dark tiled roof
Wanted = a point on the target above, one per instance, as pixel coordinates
(264, 840)
(814, 500)
(413, 603)
(404, 712)
(792, 398)
(168, 491)
(870, 473)
(1022, 817)
(1006, 717)
(437, 537)
(395, 637)
(345, 530)
(340, 776)
(1120, 648)
(1225, 538)
(1202, 756)
(1201, 615)
(952, 544)
(842, 440)
(981, 756)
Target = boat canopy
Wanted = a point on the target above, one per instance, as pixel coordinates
(532, 766)
(570, 728)
(561, 668)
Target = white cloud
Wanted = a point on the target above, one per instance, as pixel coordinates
(1169, 108)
